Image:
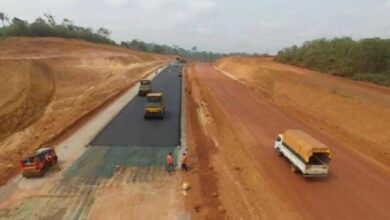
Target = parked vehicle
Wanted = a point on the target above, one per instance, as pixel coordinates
(36, 165)
(306, 154)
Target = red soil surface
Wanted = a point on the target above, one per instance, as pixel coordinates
(253, 182)
(355, 113)
(49, 84)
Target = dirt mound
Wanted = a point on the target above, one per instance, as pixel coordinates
(355, 113)
(36, 48)
(48, 84)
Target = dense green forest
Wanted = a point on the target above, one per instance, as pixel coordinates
(49, 27)
(366, 59)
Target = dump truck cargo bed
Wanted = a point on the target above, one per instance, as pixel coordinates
(303, 144)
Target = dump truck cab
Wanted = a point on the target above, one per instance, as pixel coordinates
(145, 87)
(36, 165)
(306, 154)
(155, 106)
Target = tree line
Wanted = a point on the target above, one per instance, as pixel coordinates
(365, 59)
(206, 56)
(47, 26)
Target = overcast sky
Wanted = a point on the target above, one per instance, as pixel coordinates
(218, 25)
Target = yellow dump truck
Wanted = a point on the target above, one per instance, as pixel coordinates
(155, 106)
(145, 87)
(306, 154)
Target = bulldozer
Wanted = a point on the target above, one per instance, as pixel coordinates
(155, 106)
(145, 87)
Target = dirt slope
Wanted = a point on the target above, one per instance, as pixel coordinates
(254, 183)
(355, 113)
(48, 84)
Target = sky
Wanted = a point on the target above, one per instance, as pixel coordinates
(254, 26)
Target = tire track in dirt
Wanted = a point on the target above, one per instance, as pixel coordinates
(344, 194)
(73, 197)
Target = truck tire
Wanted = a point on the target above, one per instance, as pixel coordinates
(54, 161)
(42, 172)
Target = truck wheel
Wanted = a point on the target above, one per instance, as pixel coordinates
(42, 172)
(54, 161)
(294, 168)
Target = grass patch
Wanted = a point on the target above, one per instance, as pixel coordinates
(377, 78)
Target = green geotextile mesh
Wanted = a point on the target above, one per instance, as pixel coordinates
(102, 161)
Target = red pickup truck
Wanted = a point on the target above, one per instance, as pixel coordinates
(36, 165)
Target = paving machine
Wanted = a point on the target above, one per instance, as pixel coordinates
(155, 106)
(145, 87)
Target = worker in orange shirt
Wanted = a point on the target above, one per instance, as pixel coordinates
(184, 161)
(169, 161)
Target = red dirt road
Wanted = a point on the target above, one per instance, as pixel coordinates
(355, 187)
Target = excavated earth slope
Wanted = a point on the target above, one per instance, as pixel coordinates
(49, 84)
(353, 112)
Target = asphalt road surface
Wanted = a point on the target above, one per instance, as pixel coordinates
(129, 128)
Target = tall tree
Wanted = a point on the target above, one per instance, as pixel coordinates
(50, 19)
(68, 23)
(158, 49)
(104, 32)
(3, 17)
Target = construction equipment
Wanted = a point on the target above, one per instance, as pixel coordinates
(306, 154)
(180, 60)
(35, 166)
(155, 106)
(145, 87)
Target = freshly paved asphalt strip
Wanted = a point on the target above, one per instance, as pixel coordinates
(129, 128)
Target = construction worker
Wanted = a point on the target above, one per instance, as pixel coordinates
(184, 160)
(169, 161)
